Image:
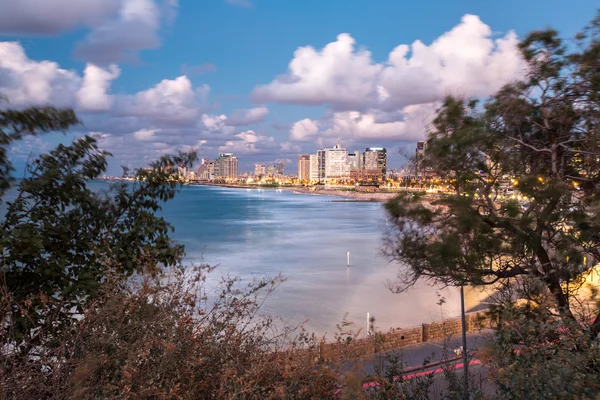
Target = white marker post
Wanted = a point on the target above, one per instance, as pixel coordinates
(348, 256)
(368, 324)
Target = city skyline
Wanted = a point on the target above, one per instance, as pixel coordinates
(373, 74)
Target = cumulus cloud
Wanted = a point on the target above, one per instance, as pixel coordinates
(28, 82)
(34, 17)
(248, 117)
(118, 39)
(216, 124)
(93, 94)
(146, 135)
(372, 125)
(338, 76)
(249, 142)
(304, 130)
(466, 60)
(118, 29)
(172, 101)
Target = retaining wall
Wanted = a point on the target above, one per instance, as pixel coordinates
(396, 338)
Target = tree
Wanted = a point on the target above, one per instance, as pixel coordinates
(95, 301)
(540, 136)
(62, 240)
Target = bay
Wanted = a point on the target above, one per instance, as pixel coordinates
(255, 233)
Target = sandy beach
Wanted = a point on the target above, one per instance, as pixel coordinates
(380, 197)
(358, 196)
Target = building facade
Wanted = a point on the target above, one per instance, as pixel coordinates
(304, 167)
(280, 167)
(336, 163)
(226, 166)
(354, 160)
(321, 164)
(375, 158)
(314, 168)
(260, 170)
(419, 156)
(206, 170)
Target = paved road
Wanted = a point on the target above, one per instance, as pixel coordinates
(414, 356)
(435, 351)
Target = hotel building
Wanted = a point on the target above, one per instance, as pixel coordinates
(226, 166)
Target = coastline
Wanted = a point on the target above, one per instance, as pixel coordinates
(374, 197)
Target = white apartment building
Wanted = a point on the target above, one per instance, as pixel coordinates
(336, 163)
(354, 160)
(260, 170)
(226, 166)
(304, 167)
(314, 167)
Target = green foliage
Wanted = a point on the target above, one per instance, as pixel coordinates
(15, 124)
(536, 356)
(539, 136)
(61, 239)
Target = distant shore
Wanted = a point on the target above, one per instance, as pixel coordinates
(379, 197)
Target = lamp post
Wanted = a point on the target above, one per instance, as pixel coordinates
(464, 342)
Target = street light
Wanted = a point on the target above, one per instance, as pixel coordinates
(464, 340)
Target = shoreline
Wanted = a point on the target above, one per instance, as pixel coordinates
(351, 196)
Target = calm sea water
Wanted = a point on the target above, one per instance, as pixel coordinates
(255, 233)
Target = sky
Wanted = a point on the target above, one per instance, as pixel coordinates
(264, 79)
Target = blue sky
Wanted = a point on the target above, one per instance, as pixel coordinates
(151, 76)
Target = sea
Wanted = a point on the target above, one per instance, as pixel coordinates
(262, 233)
(256, 233)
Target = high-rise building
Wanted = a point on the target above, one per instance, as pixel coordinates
(336, 163)
(271, 170)
(260, 170)
(226, 166)
(354, 160)
(280, 166)
(304, 167)
(321, 164)
(314, 167)
(206, 170)
(419, 155)
(375, 158)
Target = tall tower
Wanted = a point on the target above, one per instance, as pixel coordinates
(419, 155)
(304, 167)
(321, 164)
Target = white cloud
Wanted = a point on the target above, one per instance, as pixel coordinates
(170, 101)
(338, 75)
(304, 130)
(216, 124)
(29, 82)
(118, 29)
(290, 148)
(372, 125)
(146, 135)
(465, 61)
(35, 17)
(119, 39)
(93, 94)
(248, 117)
(249, 142)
